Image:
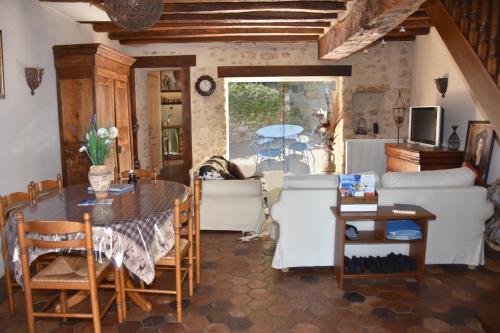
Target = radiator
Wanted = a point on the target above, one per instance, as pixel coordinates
(366, 155)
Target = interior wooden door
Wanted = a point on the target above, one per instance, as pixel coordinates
(105, 110)
(123, 121)
(76, 111)
(154, 120)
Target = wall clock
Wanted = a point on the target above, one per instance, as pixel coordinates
(205, 85)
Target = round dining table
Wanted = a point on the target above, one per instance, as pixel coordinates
(279, 131)
(134, 228)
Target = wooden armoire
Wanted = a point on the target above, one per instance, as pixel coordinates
(92, 79)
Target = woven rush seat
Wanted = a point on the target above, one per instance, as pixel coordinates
(170, 257)
(69, 269)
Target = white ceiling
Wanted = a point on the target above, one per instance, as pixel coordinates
(78, 11)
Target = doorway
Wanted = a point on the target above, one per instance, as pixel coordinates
(162, 115)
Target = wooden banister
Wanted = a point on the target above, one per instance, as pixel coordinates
(482, 47)
(481, 85)
(474, 30)
(492, 56)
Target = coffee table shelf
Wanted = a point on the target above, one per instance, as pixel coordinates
(378, 236)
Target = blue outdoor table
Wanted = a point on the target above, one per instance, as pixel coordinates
(279, 131)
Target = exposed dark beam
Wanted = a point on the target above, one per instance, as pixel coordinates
(409, 32)
(250, 16)
(213, 32)
(236, 39)
(399, 38)
(275, 71)
(367, 22)
(421, 22)
(233, 7)
(165, 61)
(111, 27)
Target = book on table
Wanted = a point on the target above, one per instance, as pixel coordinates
(404, 209)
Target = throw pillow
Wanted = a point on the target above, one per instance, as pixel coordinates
(432, 178)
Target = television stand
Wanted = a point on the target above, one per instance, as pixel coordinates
(406, 157)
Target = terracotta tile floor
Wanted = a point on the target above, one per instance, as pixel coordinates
(240, 292)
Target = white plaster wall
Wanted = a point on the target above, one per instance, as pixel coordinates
(29, 128)
(432, 60)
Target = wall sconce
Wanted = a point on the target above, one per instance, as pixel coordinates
(33, 77)
(442, 85)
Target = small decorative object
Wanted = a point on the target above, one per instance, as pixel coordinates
(454, 139)
(398, 112)
(33, 78)
(205, 85)
(375, 128)
(442, 85)
(134, 15)
(2, 83)
(361, 128)
(98, 148)
(478, 148)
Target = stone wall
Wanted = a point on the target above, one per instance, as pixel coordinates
(383, 70)
(389, 65)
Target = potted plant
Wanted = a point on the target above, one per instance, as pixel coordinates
(98, 148)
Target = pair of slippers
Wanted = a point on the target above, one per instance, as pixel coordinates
(391, 263)
(351, 232)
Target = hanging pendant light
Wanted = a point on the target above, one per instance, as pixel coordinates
(134, 15)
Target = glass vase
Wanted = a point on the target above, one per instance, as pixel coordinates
(454, 140)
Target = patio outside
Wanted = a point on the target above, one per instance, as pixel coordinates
(277, 125)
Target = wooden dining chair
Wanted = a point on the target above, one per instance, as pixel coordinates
(66, 272)
(196, 227)
(180, 253)
(8, 203)
(46, 186)
(142, 174)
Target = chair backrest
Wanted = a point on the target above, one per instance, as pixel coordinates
(54, 228)
(10, 202)
(47, 186)
(183, 212)
(142, 174)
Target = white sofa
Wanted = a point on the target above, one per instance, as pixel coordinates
(232, 205)
(306, 231)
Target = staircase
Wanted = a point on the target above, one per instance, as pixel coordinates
(478, 21)
(470, 30)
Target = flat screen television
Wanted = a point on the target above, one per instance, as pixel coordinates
(426, 125)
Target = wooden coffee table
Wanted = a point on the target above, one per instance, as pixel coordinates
(378, 236)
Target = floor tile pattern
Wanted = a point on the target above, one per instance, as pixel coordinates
(240, 292)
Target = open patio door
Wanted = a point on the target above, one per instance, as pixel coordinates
(154, 103)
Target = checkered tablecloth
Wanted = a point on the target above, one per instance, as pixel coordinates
(135, 230)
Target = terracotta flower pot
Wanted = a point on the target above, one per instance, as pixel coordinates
(100, 178)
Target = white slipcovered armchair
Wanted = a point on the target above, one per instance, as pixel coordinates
(232, 205)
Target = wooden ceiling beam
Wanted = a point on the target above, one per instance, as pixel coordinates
(277, 71)
(234, 7)
(421, 22)
(367, 22)
(409, 32)
(389, 38)
(214, 32)
(236, 39)
(111, 27)
(250, 16)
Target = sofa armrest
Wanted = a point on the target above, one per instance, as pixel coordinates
(246, 187)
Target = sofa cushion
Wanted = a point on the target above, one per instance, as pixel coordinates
(433, 178)
(311, 181)
(217, 167)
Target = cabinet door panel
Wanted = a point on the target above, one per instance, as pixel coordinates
(123, 121)
(76, 110)
(105, 110)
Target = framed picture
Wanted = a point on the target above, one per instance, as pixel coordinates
(479, 146)
(2, 82)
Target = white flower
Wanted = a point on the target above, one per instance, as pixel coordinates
(108, 142)
(113, 132)
(82, 149)
(103, 133)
